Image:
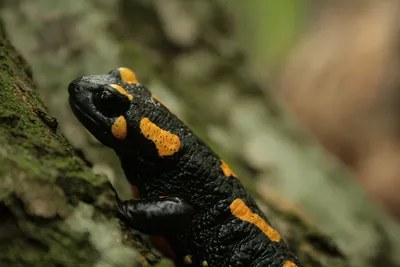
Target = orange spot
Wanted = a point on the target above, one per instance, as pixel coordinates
(122, 91)
(127, 75)
(241, 211)
(135, 192)
(226, 169)
(163, 246)
(289, 264)
(156, 98)
(163, 196)
(166, 143)
(119, 129)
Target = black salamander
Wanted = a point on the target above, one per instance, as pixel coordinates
(188, 195)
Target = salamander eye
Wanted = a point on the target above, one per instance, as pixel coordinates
(111, 103)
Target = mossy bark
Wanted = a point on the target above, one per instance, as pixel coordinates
(54, 210)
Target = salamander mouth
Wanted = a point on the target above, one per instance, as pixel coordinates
(98, 127)
(82, 115)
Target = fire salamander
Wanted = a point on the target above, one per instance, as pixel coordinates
(187, 194)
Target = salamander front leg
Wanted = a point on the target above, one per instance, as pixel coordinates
(156, 216)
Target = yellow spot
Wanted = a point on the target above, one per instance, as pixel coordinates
(204, 264)
(187, 259)
(119, 129)
(289, 264)
(241, 211)
(166, 143)
(156, 98)
(226, 169)
(127, 75)
(122, 91)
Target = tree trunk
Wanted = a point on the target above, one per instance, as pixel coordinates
(54, 210)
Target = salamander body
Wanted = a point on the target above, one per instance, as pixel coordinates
(187, 194)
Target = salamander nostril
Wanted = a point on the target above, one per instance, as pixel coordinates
(73, 87)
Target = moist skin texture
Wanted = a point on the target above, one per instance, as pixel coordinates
(185, 193)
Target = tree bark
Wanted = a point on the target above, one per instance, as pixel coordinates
(54, 210)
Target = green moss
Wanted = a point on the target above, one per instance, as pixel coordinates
(43, 186)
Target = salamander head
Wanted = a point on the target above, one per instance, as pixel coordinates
(120, 112)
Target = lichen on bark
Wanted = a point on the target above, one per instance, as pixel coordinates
(54, 210)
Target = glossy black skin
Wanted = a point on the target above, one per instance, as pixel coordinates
(195, 218)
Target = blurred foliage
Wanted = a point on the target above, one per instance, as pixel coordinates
(268, 29)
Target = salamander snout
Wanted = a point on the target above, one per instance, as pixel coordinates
(101, 104)
(73, 87)
(99, 94)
